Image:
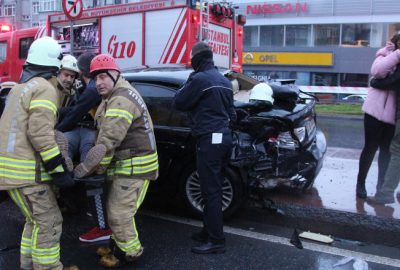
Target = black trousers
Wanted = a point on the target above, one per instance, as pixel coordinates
(211, 161)
(378, 134)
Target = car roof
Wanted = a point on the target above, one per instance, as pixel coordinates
(169, 75)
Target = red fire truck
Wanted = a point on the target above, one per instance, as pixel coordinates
(145, 33)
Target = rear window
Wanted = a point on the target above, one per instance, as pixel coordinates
(3, 51)
(24, 45)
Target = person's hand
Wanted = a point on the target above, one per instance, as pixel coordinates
(390, 46)
(63, 179)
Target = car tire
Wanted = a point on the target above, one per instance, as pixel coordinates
(233, 192)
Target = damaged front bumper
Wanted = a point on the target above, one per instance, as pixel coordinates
(290, 167)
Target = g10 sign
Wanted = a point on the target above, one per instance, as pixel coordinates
(276, 8)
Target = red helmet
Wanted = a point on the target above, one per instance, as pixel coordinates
(102, 62)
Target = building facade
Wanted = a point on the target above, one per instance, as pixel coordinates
(30, 13)
(317, 42)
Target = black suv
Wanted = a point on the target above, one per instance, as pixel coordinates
(278, 145)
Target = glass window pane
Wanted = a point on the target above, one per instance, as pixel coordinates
(356, 35)
(298, 35)
(3, 51)
(324, 79)
(251, 36)
(24, 45)
(378, 34)
(326, 34)
(394, 28)
(271, 35)
(354, 80)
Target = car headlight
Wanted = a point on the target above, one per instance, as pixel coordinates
(300, 133)
(285, 140)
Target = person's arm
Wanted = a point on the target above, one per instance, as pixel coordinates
(391, 82)
(87, 100)
(187, 97)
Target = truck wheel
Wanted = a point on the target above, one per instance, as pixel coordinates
(232, 192)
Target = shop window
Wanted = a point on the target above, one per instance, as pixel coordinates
(271, 35)
(354, 80)
(393, 29)
(251, 36)
(298, 35)
(326, 34)
(378, 35)
(324, 79)
(356, 35)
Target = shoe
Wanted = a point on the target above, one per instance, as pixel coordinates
(201, 237)
(91, 162)
(209, 248)
(136, 256)
(95, 234)
(361, 192)
(380, 200)
(62, 143)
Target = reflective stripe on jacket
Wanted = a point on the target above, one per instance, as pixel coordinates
(126, 129)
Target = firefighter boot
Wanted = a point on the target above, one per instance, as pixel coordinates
(92, 161)
(62, 143)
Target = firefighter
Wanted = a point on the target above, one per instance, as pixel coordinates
(66, 76)
(208, 97)
(30, 158)
(126, 146)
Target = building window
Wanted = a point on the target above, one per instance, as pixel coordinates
(324, 79)
(9, 10)
(356, 35)
(47, 5)
(298, 35)
(35, 24)
(35, 7)
(354, 80)
(251, 36)
(326, 34)
(379, 35)
(271, 35)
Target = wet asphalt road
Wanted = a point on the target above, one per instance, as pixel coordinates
(166, 238)
(342, 132)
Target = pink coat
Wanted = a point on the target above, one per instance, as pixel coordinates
(382, 104)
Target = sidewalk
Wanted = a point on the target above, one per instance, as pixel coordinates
(334, 187)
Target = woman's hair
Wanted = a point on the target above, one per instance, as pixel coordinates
(395, 39)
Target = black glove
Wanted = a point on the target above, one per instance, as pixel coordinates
(61, 179)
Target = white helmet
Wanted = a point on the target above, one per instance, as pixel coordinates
(263, 92)
(44, 51)
(70, 63)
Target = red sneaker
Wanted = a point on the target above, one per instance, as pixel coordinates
(96, 234)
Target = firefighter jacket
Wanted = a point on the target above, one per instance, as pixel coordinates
(27, 132)
(126, 129)
(66, 95)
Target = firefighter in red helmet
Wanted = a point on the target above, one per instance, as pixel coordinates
(126, 150)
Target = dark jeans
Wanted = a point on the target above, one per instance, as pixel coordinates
(80, 140)
(392, 176)
(378, 134)
(211, 161)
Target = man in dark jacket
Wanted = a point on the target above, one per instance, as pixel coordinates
(384, 195)
(208, 97)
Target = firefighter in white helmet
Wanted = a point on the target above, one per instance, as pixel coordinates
(69, 71)
(262, 92)
(31, 158)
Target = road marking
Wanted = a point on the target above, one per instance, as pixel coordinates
(282, 240)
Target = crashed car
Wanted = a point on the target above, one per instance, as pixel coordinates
(273, 145)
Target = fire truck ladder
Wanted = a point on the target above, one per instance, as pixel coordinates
(204, 18)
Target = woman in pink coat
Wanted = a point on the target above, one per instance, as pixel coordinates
(379, 119)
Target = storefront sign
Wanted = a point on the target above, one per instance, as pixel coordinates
(289, 58)
(277, 8)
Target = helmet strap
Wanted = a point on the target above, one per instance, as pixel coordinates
(112, 78)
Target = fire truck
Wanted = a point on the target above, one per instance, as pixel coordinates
(145, 33)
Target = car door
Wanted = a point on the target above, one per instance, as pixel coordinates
(171, 126)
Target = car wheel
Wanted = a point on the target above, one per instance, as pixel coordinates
(232, 192)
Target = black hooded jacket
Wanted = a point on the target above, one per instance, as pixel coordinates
(208, 97)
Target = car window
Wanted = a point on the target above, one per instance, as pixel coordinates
(3, 51)
(159, 102)
(24, 45)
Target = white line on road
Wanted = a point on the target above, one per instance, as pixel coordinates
(284, 241)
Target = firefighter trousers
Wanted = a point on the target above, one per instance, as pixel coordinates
(40, 242)
(124, 198)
